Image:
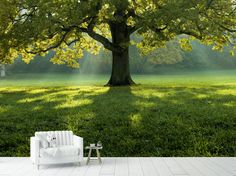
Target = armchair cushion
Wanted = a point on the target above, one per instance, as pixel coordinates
(61, 151)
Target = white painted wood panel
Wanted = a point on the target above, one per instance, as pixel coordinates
(189, 168)
(205, 169)
(122, 168)
(161, 167)
(80, 170)
(93, 169)
(134, 167)
(215, 167)
(108, 166)
(174, 167)
(148, 167)
(228, 164)
(67, 169)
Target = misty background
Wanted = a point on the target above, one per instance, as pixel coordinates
(162, 61)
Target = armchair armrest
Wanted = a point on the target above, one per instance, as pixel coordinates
(79, 142)
(34, 149)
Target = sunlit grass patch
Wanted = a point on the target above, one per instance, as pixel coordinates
(74, 103)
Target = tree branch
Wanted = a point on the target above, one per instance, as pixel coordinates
(191, 33)
(133, 29)
(228, 29)
(157, 30)
(71, 42)
(51, 47)
(106, 43)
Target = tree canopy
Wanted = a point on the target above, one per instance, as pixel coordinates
(31, 27)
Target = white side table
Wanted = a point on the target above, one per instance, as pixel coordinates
(90, 152)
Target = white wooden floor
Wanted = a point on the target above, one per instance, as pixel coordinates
(125, 167)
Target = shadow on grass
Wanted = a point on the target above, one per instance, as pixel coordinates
(137, 121)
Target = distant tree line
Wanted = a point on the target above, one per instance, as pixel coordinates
(169, 59)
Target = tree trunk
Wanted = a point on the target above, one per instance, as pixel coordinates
(120, 75)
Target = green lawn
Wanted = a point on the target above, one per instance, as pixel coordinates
(191, 114)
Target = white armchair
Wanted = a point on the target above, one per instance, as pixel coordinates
(68, 149)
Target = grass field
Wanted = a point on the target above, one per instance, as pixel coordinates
(191, 114)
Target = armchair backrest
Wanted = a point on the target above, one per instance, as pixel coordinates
(62, 137)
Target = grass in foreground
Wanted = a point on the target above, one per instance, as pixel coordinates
(188, 119)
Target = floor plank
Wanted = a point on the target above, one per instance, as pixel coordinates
(67, 169)
(174, 167)
(80, 170)
(93, 169)
(134, 167)
(108, 167)
(215, 167)
(122, 168)
(190, 169)
(161, 167)
(228, 164)
(148, 167)
(205, 169)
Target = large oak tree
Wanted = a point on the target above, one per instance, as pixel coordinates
(30, 27)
